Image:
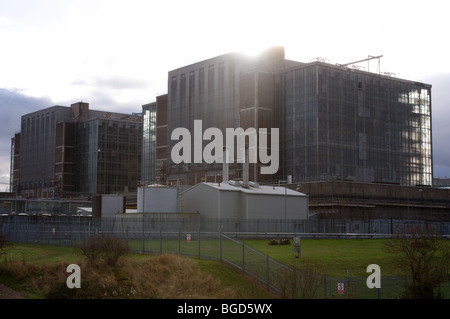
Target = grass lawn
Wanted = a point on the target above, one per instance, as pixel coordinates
(335, 257)
(43, 254)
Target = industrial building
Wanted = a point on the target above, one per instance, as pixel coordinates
(346, 200)
(230, 200)
(244, 200)
(340, 127)
(336, 122)
(67, 151)
(352, 145)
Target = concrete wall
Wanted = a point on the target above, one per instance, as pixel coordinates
(277, 207)
(229, 204)
(199, 198)
(157, 200)
(112, 205)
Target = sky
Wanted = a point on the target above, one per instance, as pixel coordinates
(116, 54)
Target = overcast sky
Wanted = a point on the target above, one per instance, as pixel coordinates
(115, 54)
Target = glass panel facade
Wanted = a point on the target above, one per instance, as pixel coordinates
(343, 124)
(149, 143)
(108, 156)
(86, 156)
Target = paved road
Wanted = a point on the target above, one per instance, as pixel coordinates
(8, 293)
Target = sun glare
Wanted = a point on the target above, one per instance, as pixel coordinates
(253, 50)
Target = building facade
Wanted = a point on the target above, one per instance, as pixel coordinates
(228, 91)
(64, 151)
(352, 125)
(148, 170)
(335, 122)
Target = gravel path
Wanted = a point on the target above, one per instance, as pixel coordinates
(8, 293)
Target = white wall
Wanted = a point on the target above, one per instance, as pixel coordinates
(157, 200)
(277, 207)
(229, 204)
(211, 202)
(112, 205)
(200, 198)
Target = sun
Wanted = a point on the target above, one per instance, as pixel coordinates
(255, 49)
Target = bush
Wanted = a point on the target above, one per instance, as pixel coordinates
(4, 243)
(425, 257)
(103, 249)
(301, 280)
(159, 277)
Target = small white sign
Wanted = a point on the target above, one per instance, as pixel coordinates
(340, 287)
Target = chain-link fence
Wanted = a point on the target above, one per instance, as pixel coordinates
(301, 280)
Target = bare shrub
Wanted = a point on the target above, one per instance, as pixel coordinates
(171, 276)
(96, 283)
(103, 249)
(301, 279)
(424, 256)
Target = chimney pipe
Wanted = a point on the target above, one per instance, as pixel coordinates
(225, 165)
(245, 167)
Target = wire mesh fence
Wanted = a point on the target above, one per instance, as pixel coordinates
(301, 280)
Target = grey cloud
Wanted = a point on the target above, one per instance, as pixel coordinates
(114, 82)
(118, 83)
(79, 82)
(14, 104)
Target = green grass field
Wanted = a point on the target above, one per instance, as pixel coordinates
(337, 257)
(340, 258)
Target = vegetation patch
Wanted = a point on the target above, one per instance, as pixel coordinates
(111, 273)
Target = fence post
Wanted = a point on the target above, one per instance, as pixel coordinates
(324, 286)
(220, 243)
(143, 235)
(179, 244)
(199, 242)
(126, 234)
(243, 257)
(268, 272)
(160, 240)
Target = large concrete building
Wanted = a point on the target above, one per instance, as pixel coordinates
(64, 151)
(335, 122)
